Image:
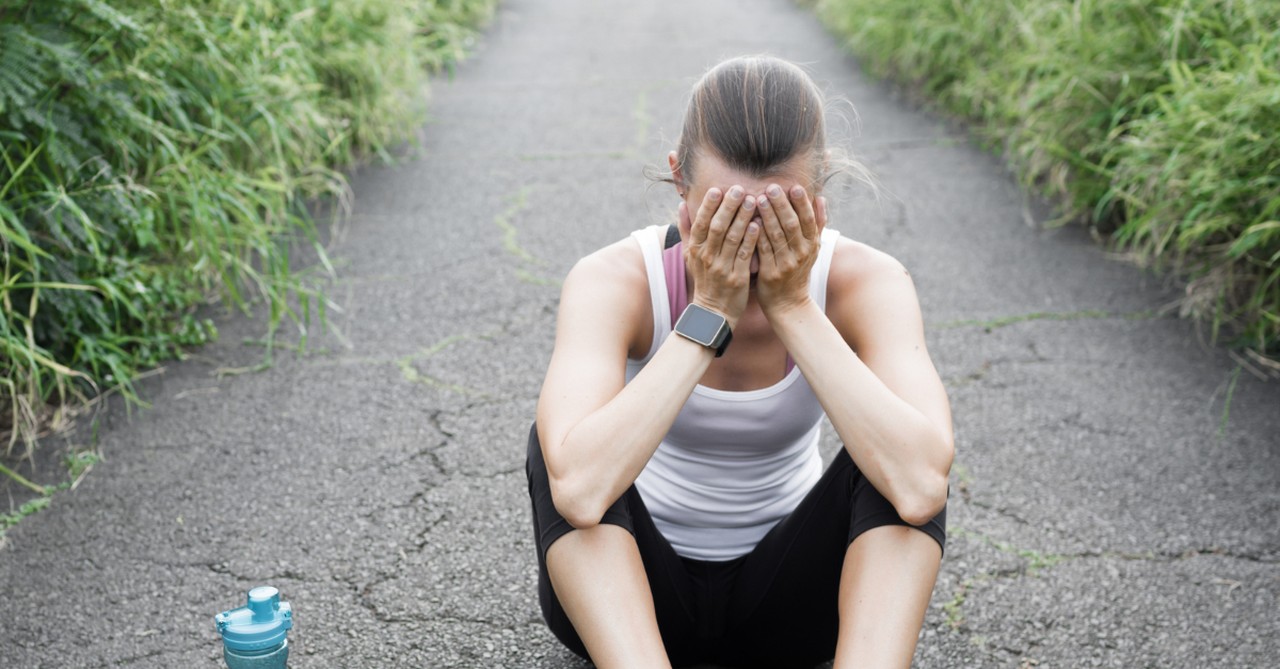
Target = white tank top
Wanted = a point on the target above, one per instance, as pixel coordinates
(733, 463)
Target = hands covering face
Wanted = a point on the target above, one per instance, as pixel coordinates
(780, 228)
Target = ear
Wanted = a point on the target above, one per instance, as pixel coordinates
(677, 175)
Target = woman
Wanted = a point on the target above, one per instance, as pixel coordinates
(680, 506)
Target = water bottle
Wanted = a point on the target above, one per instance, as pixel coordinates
(254, 636)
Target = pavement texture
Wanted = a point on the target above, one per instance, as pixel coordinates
(1114, 499)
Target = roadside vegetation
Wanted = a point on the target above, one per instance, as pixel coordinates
(159, 155)
(1155, 122)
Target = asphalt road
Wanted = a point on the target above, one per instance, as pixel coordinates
(1106, 508)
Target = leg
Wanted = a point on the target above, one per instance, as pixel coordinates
(610, 586)
(788, 609)
(888, 577)
(600, 581)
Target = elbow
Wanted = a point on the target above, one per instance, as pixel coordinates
(924, 504)
(580, 519)
(928, 498)
(575, 506)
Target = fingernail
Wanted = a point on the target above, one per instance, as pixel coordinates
(749, 203)
(775, 191)
(763, 200)
(797, 191)
(714, 194)
(735, 192)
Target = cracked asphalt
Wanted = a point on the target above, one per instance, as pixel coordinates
(1107, 509)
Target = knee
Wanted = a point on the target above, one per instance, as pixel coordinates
(598, 541)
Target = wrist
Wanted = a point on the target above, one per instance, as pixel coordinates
(716, 308)
(781, 310)
(703, 326)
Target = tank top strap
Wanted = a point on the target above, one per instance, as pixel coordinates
(822, 267)
(651, 240)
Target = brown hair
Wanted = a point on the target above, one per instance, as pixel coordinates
(757, 113)
(754, 113)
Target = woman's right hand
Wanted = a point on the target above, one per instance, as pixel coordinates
(722, 240)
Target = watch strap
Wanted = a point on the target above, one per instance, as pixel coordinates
(717, 340)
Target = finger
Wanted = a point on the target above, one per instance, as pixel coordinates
(765, 207)
(788, 218)
(742, 262)
(701, 223)
(724, 218)
(773, 221)
(737, 231)
(768, 263)
(804, 211)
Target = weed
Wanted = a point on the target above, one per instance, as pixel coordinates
(505, 220)
(1226, 403)
(1150, 119)
(1035, 560)
(8, 520)
(413, 375)
(951, 609)
(1003, 321)
(158, 155)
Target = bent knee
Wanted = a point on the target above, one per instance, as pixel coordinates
(596, 538)
(899, 540)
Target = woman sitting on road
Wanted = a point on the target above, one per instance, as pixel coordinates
(681, 509)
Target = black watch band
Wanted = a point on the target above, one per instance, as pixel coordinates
(706, 327)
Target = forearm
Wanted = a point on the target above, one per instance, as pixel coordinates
(903, 454)
(603, 453)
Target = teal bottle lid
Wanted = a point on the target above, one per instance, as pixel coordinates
(260, 625)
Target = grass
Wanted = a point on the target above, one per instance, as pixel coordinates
(76, 465)
(160, 155)
(1004, 321)
(952, 608)
(1226, 403)
(1153, 121)
(1034, 560)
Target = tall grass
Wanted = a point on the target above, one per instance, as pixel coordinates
(1150, 120)
(158, 154)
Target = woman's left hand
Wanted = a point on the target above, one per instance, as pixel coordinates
(788, 246)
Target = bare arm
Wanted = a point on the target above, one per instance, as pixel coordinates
(597, 431)
(886, 402)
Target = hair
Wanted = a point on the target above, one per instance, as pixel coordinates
(758, 113)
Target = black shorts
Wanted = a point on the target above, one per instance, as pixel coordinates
(773, 607)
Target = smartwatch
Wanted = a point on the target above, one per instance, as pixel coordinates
(705, 327)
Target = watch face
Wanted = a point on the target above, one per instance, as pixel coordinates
(700, 324)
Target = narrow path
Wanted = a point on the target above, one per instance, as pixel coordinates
(1105, 510)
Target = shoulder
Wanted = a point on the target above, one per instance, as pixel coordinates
(616, 267)
(609, 291)
(857, 269)
(870, 293)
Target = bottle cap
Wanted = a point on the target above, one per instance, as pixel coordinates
(262, 624)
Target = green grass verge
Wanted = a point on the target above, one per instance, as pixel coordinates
(156, 155)
(1152, 120)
